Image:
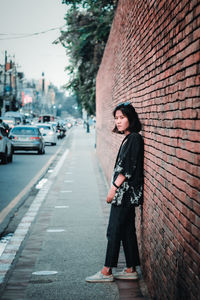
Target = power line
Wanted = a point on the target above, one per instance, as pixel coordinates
(26, 35)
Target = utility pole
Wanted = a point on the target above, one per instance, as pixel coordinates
(11, 88)
(15, 70)
(43, 93)
(4, 84)
(43, 80)
(15, 79)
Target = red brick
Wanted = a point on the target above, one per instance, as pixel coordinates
(195, 231)
(196, 205)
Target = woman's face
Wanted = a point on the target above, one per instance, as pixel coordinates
(121, 121)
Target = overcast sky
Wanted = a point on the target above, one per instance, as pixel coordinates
(34, 54)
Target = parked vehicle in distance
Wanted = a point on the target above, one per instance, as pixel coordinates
(10, 121)
(20, 118)
(54, 124)
(6, 148)
(48, 132)
(46, 118)
(28, 138)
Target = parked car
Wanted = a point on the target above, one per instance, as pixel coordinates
(48, 133)
(29, 138)
(6, 148)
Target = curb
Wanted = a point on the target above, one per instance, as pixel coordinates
(7, 213)
(10, 254)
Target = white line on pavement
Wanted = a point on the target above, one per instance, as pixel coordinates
(14, 243)
(61, 206)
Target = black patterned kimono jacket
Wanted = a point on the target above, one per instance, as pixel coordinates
(129, 163)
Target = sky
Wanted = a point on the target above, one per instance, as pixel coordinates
(35, 54)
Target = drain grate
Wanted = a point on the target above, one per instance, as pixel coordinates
(41, 281)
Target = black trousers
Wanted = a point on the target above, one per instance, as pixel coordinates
(121, 227)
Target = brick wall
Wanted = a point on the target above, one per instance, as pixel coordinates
(152, 59)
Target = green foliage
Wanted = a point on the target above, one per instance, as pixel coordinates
(87, 28)
(67, 104)
(104, 4)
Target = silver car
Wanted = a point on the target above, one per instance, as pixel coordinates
(48, 133)
(25, 137)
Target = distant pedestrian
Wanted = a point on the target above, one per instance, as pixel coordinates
(125, 193)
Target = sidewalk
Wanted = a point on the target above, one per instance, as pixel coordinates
(67, 237)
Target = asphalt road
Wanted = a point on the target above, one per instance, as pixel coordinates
(18, 178)
(67, 235)
(16, 175)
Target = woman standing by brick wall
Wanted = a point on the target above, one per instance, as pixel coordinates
(125, 193)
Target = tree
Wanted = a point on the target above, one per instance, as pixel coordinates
(87, 28)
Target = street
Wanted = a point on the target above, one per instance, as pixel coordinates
(18, 177)
(65, 223)
(112, 210)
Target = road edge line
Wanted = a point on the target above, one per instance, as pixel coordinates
(9, 255)
(7, 210)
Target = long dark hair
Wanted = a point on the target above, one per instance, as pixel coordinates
(129, 111)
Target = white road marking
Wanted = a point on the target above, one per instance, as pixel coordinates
(4, 241)
(41, 183)
(62, 206)
(16, 200)
(55, 230)
(44, 273)
(14, 244)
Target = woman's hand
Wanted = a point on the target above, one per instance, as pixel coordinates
(111, 194)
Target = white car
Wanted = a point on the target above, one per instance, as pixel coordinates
(6, 148)
(48, 132)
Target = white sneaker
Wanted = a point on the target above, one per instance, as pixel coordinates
(99, 277)
(125, 275)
